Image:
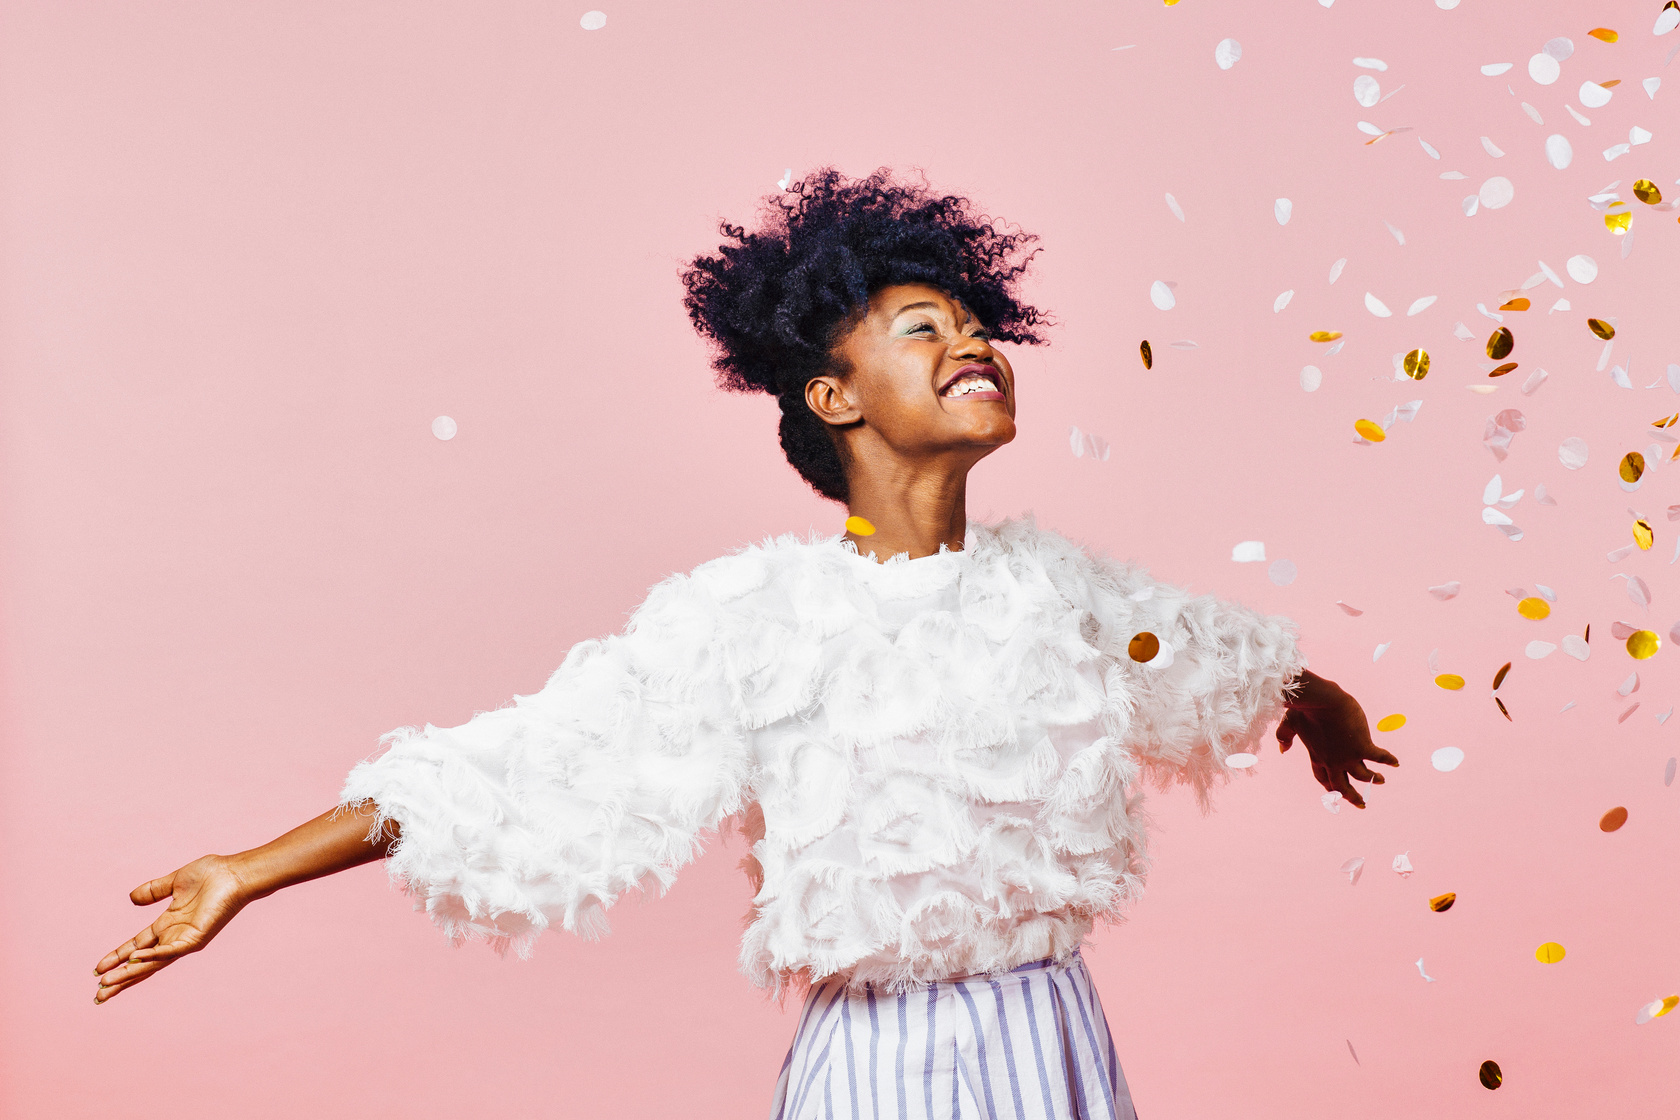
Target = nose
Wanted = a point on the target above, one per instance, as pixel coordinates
(968, 347)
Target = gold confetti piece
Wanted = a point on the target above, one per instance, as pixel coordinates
(1490, 1075)
(1613, 820)
(1371, 430)
(1450, 680)
(1642, 535)
(1147, 353)
(1549, 953)
(1534, 607)
(860, 526)
(1586, 635)
(1607, 85)
(1519, 304)
(1502, 370)
(1502, 709)
(1499, 344)
(1666, 421)
(1443, 902)
(1325, 336)
(1499, 677)
(1642, 645)
(1143, 647)
(1646, 191)
(1601, 329)
(1669, 1003)
(1604, 34)
(1416, 364)
(1618, 221)
(1391, 723)
(1632, 467)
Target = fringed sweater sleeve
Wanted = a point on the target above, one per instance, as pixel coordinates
(1214, 688)
(550, 808)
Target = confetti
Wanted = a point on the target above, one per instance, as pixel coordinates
(1667, 19)
(1311, 378)
(1403, 865)
(1397, 234)
(1391, 722)
(1161, 295)
(1450, 681)
(1500, 344)
(1538, 649)
(1502, 710)
(1282, 209)
(860, 526)
(1581, 268)
(1629, 686)
(1572, 453)
(1646, 191)
(1332, 801)
(1441, 903)
(1656, 1009)
(1499, 677)
(1613, 820)
(1380, 650)
(1336, 269)
(1549, 952)
(1366, 90)
(593, 21)
(1604, 34)
(1445, 759)
(1352, 869)
(1146, 354)
(1376, 306)
(1421, 972)
(444, 427)
(1226, 53)
(1502, 370)
(1445, 591)
(1370, 430)
(1559, 48)
(1493, 69)
(1632, 467)
(1576, 647)
(1543, 68)
(1429, 149)
(1638, 136)
(1422, 303)
(1558, 152)
(1601, 329)
(1282, 301)
(1416, 364)
(1520, 303)
(1618, 221)
(1623, 717)
(1491, 149)
(1143, 647)
(1489, 1074)
(1351, 1050)
(1643, 644)
(1246, 552)
(1651, 86)
(1325, 336)
(1593, 95)
(1470, 205)
(1172, 204)
(1642, 534)
(1669, 770)
(1579, 118)
(1370, 63)
(1496, 192)
(1241, 760)
(1534, 608)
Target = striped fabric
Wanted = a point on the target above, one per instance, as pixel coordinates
(1030, 1044)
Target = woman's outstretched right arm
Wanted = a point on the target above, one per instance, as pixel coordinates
(206, 893)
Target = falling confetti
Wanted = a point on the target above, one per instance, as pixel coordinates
(1572, 453)
(1336, 269)
(1332, 801)
(1499, 343)
(1143, 647)
(1444, 760)
(1613, 820)
(1311, 378)
(1351, 1050)
(1226, 53)
(1402, 865)
(1543, 68)
(1604, 34)
(1656, 1009)
(1421, 972)
(1646, 191)
(1441, 903)
(593, 21)
(1643, 644)
(1370, 430)
(1593, 95)
(1282, 301)
(1534, 608)
(1632, 467)
(1147, 354)
(1161, 295)
(1445, 591)
(859, 526)
(1352, 869)
(1376, 306)
(1496, 192)
(1558, 151)
(1282, 209)
(1581, 268)
(1282, 572)
(1489, 1074)
(1451, 681)
(1241, 760)
(444, 427)
(1248, 552)
(1325, 336)
(1549, 952)
(1172, 204)
(1391, 722)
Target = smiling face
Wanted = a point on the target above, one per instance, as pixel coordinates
(922, 384)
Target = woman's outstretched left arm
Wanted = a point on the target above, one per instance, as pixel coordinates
(1332, 727)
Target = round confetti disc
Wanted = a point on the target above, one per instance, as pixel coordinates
(1632, 467)
(1499, 344)
(1282, 572)
(1534, 607)
(861, 526)
(1549, 953)
(1618, 222)
(1601, 329)
(593, 21)
(1416, 364)
(1147, 354)
(444, 427)
(1490, 1075)
(1581, 268)
(1646, 191)
(1242, 760)
(1446, 759)
(1642, 534)
(1613, 820)
(1502, 370)
(1371, 430)
(1391, 722)
(1143, 647)
(1604, 34)
(1450, 680)
(1643, 644)
(1441, 903)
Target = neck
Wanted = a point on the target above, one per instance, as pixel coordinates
(914, 510)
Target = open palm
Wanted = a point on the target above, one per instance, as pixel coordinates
(203, 897)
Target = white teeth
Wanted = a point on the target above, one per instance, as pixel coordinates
(973, 383)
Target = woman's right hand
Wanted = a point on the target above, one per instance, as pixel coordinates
(203, 897)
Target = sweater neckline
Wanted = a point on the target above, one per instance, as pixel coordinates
(944, 557)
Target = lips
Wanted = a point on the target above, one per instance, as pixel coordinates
(969, 383)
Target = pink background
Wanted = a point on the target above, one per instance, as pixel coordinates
(250, 251)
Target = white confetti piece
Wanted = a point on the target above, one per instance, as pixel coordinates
(1282, 572)
(1076, 441)
(1377, 653)
(1172, 204)
(1369, 129)
(1494, 315)
(1558, 151)
(1593, 96)
(1541, 495)
(1538, 649)
(1311, 378)
(1576, 646)
(1161, 660)
(1572, 453)
(593, 21)
(1637, 136)
(1668, 771)
(1494, 69)
(1183, 344)
(1247, 552)
(1227, 53)
(1616, 151)
(1370, 64)
(1629, 686)
(1667, 20)
(1544, 69)
(1491, 148)
(1445, 759)
(1421, 972)
(444, 427)
(1674, 376)
(1462, 332)
(1398, 236)
(1161, 295)
(1281, 210)
(1546, 271)
(1366, 90)
(1559, 48)
(1617, 554)
(1581, 120)
(1376, 306)
(1242, 760)
(1470, 205)
(1491, 516)
(1336, 269)
(1445, 591)
(1282, 301)
(1496, 192)
(1346, 609)
(1652, 84)
(1332, 801)
(1637, 589)
(787, 177)
(1454, 176)
(1351, 869)
(1533, 114)
(1422, 303)
(1631, 709)
(1546, 593)
(1566, 707)
(1402, 864)
(1429, 149)
(1491, 492)
(1581, 268)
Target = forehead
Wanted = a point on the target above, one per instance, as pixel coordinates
(888, 301)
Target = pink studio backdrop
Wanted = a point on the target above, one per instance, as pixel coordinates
(250, 251)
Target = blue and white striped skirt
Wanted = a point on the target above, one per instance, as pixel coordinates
(1031, 1044)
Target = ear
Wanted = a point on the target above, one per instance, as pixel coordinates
(828, 398)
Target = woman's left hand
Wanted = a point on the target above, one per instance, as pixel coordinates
(1332, 726)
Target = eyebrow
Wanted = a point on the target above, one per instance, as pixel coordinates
(929, 303)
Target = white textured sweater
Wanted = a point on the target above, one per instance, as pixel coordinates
(936, 761)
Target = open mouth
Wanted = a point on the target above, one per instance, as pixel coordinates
(975, 382)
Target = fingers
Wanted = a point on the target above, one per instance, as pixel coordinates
(125, 977)
(1377, 754)
(155, 891)
(145, 939)
(1360, 772)
(1286, 732)
(1322, 775)
(1348, 792)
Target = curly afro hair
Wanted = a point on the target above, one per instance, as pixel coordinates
(776, 302)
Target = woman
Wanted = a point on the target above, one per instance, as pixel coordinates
(931, 730)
